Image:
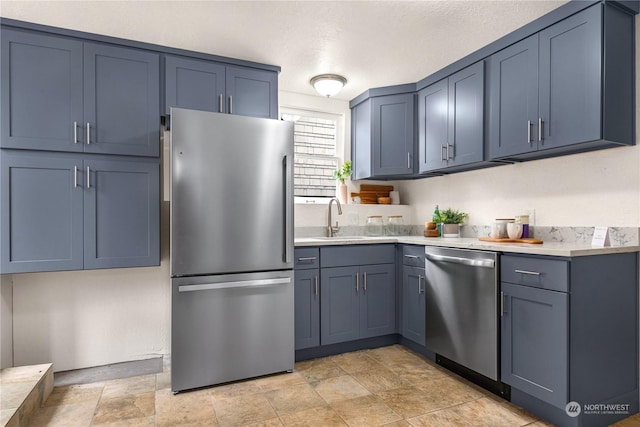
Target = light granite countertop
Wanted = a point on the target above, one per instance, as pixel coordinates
(562, 249)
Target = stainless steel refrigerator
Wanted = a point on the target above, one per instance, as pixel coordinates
(231, 248)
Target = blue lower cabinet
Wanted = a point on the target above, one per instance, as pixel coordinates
(535, 342)
(413, 304)
(570, 334)
(307, 308)
(357, 302)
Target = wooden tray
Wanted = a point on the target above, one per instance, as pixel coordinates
(529, 240)
(376, 188)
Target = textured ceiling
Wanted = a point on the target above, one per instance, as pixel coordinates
(371, 43)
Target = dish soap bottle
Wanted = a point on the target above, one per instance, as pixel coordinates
(436, 219)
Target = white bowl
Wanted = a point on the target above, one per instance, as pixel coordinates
(514, 230)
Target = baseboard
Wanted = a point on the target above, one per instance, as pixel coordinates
(109, 372)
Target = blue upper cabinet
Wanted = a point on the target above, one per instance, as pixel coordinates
(60, 94)
(213, 86)
(383, 139)
(252, 92)
(194, 84)
(451, 121)
(41, 92)
(565, 89)
(513, 74)
(121, 101)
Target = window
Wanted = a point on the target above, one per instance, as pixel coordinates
(315, 157)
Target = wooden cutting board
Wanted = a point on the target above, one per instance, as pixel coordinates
(529, 240)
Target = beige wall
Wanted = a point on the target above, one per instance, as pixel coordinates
(6, 321)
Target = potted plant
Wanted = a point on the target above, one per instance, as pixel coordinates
(341, 174)
(451, 220)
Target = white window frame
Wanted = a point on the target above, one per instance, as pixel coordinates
(340, 143)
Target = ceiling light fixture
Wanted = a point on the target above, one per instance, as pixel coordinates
(328, 84)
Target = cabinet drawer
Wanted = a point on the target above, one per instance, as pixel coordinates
(550, 274)
(341, 256)
(413, 255)
(305, 258)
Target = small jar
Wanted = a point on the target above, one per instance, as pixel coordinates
(394, 226)
(524, 220)
(374, 226)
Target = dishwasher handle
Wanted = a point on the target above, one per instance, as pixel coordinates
(486, 263)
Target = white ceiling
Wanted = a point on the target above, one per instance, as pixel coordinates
(371, 43)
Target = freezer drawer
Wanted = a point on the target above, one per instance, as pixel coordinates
(231, 327)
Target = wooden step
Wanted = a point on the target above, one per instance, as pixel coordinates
(23, 389)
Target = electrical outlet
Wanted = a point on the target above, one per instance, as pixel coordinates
(532, 216)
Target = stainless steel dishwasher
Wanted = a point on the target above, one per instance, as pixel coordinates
(462, 307)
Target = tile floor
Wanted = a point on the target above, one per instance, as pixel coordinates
(389, 386)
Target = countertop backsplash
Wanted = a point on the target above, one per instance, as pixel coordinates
(619, 236)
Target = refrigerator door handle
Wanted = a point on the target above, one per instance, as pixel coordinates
(238, 284)
(288, 208)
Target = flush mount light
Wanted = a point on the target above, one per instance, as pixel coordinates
(328, 84)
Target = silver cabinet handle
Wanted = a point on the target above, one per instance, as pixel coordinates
(364, 286)
(220, 101)
(315, 286)
(412, 256)
(88, 133)
(75, 177)
(450, 157)
(540, 123)
(408, 160)
(529, 132)
(442, 148)
(502, 304)
(88, 177)
(531, 273)
(357, 282)
(230, 104)
(304, 259)
(75, 132)
(420, 290)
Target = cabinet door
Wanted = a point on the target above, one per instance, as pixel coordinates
(413, 304)
(378, 300)
(571, 80)
(121, 213)
(361, 116)
(433, 111)
(193, 84)
(535, 342)
(393, 123)
(41, 212)
(252, 92)
(41, 92)
(307, 308)
(513, 82)
(339, 304)
(466, 116)
(121, 101)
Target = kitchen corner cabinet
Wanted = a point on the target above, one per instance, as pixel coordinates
(413, 294)
(70, 212)
(451, 121)
(569, 333)
(220, 88)
(307, 298)
(383, 137)
(358, 297)
(62, 94)
(567, 88)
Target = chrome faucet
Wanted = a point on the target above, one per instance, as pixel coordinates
(332, 230)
